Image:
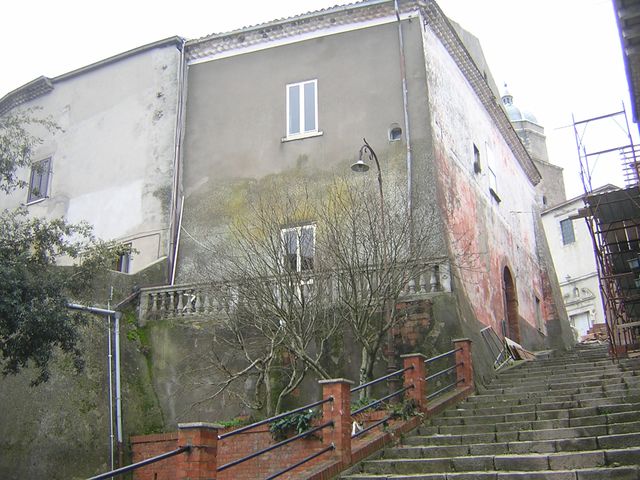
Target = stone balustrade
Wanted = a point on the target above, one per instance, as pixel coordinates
(206, 299)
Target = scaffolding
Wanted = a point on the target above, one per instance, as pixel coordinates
(613, 220)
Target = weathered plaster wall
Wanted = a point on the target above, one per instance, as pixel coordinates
(112, 160)
(236, 119)
(60, 429)
(485, 235)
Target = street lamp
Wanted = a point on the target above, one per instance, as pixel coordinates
(360, 167)
(367, 153)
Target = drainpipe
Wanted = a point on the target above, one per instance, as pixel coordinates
(405, 105)
(176, 215)
(116, 315)
(177, 246)
(119, 441)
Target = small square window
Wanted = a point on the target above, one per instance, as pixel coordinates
(123, 263)
(39, 180)
(299, 247)
(566, 228)
(302, 108)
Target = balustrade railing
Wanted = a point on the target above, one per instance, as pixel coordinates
(214, 298)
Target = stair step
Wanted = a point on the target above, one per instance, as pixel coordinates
(506, 462)
(561, 418)
(568, 411)
(414, 449)
(575, 417)
(614, 473)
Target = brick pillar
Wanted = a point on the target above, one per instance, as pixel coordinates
(340, 412)
(200, 462)
(416, 377)
(464, 371)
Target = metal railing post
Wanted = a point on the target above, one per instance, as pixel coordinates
(339, 412)
(464, 371)
(200, 462)
(416, 376)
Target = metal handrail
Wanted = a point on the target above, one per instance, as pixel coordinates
(378, 380)
(442, 355)
(443, 372)
(142, 463)
(444, 389)
(274, 446)
(379, 401)
(274, 418)
(302, 462)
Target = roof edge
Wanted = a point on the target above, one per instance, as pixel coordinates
(609, 187)
(43, 85)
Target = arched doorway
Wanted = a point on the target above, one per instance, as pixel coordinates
(511, 306)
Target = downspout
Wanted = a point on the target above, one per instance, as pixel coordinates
(176, 204)
(119, 440)
(109, 313)
(175, 250)
(405, 106)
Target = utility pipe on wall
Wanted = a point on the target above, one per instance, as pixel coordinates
(405, 105)
(116, 315)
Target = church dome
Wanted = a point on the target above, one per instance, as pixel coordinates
(516, 114)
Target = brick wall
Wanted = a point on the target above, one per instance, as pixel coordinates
(229, 449)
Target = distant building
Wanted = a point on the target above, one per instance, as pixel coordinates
(573, 255)
(551, 188)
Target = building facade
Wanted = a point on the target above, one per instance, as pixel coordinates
(184, 137)
(291, 100)
(111, 162)
(573, 255)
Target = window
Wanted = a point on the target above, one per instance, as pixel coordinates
(123, 264)
(39, 181)
(477, 167)
(491, 172)
(539, 319)
(302, 108)
(395, 132)
(568, 235)
(299, 247)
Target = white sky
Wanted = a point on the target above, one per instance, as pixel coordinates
(559, 57)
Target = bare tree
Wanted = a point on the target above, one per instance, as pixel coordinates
(277, 319)
(375, 252)
(299, 267)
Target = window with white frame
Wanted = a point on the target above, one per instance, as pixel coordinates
(123, 263)
(566, 228)
(39, 180)
(493, 179)
(302, 108)
(299, 247)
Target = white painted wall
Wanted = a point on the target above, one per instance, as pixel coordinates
(112, 162)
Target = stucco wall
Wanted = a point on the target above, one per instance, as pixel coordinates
(112, 160)
(485, 233)
(60, 429)
(236, 120)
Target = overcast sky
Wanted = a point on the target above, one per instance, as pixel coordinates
(559, 57)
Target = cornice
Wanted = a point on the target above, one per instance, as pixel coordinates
(298, 26)
(43, 85)
(34, 89)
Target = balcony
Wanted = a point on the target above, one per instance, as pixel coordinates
(214, 298)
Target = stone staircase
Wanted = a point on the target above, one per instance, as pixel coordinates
(576, 417)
